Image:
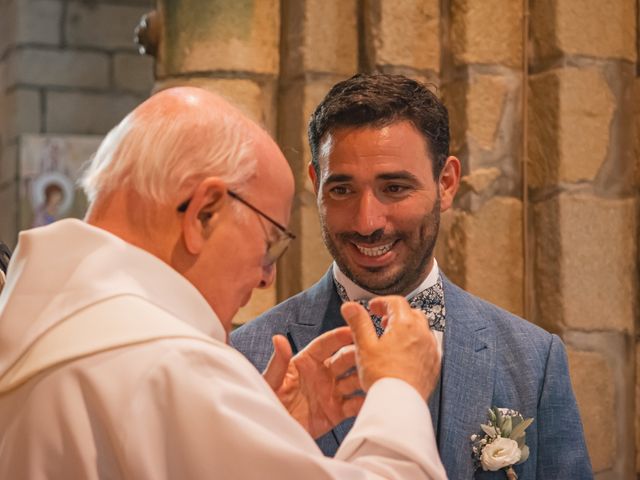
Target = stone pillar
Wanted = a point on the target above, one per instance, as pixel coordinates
(481, 245)
(636, 103)
(402, 37)
(229, 47)
(319, 48)
(66, 67)
(585, 209)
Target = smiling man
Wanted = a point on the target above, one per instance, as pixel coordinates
(383, 174)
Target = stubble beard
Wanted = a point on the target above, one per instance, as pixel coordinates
(406, 278)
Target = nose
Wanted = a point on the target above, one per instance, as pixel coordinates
(268, 276)
(371, 214)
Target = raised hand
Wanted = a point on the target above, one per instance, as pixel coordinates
(406, 350)
(317, 385)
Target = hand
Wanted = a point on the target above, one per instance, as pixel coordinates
(406, 350)
(316, 385)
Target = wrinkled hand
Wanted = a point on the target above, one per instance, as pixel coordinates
(406, 350)
(315, 385)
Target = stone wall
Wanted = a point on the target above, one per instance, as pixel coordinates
(544, 99)
(66, 67)
(584, 206)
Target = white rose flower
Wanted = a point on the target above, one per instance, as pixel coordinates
(500, 453)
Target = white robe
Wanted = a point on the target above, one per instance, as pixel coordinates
(112, 365)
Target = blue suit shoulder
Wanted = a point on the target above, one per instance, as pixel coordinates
(510, 331)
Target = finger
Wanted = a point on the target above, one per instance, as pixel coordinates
(328, 343)
(279, 362)
(391, 307)
(341, 361)
(364, 333)
(348, 385)
(352, 405)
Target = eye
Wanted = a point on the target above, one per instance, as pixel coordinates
(397, 189)
(339, 191)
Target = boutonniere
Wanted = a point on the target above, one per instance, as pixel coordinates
(503, 444)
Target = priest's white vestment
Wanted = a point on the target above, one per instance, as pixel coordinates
(112, 365)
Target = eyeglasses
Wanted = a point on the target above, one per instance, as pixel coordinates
(275, 249)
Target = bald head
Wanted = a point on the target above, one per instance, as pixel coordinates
(168, 143)
(161, 181)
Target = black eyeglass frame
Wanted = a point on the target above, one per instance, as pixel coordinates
(277, 248)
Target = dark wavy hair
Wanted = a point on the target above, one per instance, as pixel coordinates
(378, 100)
(5, 255)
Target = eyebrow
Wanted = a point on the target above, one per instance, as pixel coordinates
(338, 177)
(399, 175)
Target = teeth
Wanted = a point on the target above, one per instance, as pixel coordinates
(376, 251)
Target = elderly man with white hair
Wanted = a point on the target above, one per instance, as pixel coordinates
(114, 360)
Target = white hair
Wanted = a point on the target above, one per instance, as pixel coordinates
(165, 147)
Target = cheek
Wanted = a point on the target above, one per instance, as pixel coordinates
(338, 216)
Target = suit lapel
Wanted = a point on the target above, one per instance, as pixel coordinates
(319, 313)
(468, 374)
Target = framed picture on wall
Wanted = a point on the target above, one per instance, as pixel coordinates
(50, 166)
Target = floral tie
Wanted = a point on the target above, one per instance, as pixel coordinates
(430, 301)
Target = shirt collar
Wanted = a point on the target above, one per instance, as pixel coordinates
(356, 292)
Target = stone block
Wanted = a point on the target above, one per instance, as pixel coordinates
(585, 262)
(9, 213)
(485, 103)
(479, 35)
(38, 21)
(86, 113)
(636, 103)
(133, 72)
(570, 112)
(22, 113)
(307, 259)
(261, 301)
(8, 21)
(484, 252)
(255, 99)
(58, 68)
(319, 36)
(403, 33)
(8, 163)
(637, 416)
(592, 381)
(102, 25)
(203, 36)
(315, 258)
(4, 80)
(298, 101)
(584, 28)
(477, 108)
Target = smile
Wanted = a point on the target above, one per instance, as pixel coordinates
(374, 251)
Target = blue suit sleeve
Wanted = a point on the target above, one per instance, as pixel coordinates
(562, 451)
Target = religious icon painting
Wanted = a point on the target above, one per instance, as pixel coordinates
(49, 169)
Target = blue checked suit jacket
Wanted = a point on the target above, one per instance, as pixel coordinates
(491, 358)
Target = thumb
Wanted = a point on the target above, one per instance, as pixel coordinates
(360, 323)
(279, 362)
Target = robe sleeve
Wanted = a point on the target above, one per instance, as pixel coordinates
(204, 412)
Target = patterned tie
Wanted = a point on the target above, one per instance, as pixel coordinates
(430, 301)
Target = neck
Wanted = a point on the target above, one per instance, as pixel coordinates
(357, 291)
(121, 214)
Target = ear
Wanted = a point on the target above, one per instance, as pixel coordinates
(202, 214)
(449, 182)
(313, 176)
